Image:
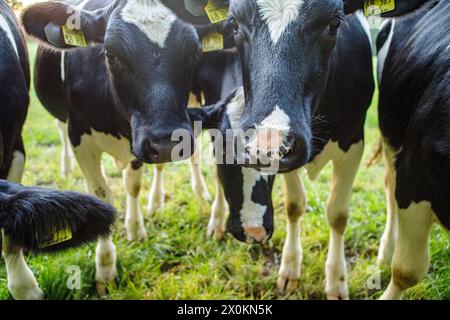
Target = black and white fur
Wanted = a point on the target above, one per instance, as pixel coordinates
(339, 137)
(124, 95)
(30, 215)
(414, 53)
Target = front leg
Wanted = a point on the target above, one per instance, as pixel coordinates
(291, 261)
(134, 221)
(346, 165)
(157, 194)
(218, 220)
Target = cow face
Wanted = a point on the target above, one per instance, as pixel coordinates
(248, 191)
(150, 55)
(285, 46)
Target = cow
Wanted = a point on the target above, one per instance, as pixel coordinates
(414, 75)
(284, 49)
(139, 59)
(339, 137)
(33, 218)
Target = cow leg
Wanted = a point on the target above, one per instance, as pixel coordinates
(198, 182)
(157, 194)
(411, 257)
(89, 160)
(291, 261)
(345, 168)
(66, 151)
(218, 220)
(389, 237)
(134, 221)
(21, 282)
(17, 167)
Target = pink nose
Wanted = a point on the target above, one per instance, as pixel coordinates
(256, 234)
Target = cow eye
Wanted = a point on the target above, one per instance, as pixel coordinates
(234, 24)
(111, 56)
(334, 25)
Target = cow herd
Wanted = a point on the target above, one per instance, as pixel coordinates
(287, 86)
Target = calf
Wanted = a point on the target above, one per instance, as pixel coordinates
(414, 71)
(285, 49)
(339, 137)
(125, 94)
(34, 219)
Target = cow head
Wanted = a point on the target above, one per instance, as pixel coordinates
(150, 55)
(285, 48)
(248, 191)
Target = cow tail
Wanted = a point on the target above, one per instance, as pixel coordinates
(41, 220)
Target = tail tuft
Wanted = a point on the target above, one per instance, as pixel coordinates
(376, 153)
(42, 220)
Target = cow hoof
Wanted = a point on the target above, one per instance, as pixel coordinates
(155, 204)
(135, 232)
(26, 292)
(285, 285)
(215, 232)
(338, 296)
(202, 193)
(338, 292)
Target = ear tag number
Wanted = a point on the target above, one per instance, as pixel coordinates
(57, 237)
(376, 7)
(74, 37)
(212, 42)
(216, 14)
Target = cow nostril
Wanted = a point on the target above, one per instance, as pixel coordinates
(150, 151)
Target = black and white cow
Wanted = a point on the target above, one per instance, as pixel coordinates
(285, 48)
(125, 94)
(339, 136)
(30, 218)
(414, 71)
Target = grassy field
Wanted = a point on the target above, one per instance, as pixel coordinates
(178, 262)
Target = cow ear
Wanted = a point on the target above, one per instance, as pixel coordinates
(387, 9)
(64, 26)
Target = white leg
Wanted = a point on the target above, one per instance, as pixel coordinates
(134, 221)
(89, 160)
(291, 261)
(197, 180)
(17, 168)
(345, 168)
(218, 220)
(389, 237)
(66, 149)
(411, 257)
(21, 282)
(157, 194)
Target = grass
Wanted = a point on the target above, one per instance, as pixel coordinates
(178, 262)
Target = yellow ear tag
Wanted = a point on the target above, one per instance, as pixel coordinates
(74, 37)
(212, 42)
(376, 7)
(59, 236)
(215, 14)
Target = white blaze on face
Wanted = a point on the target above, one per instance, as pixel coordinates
(252, 213)
(151, 17)
(5, 27)
(278, 14)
